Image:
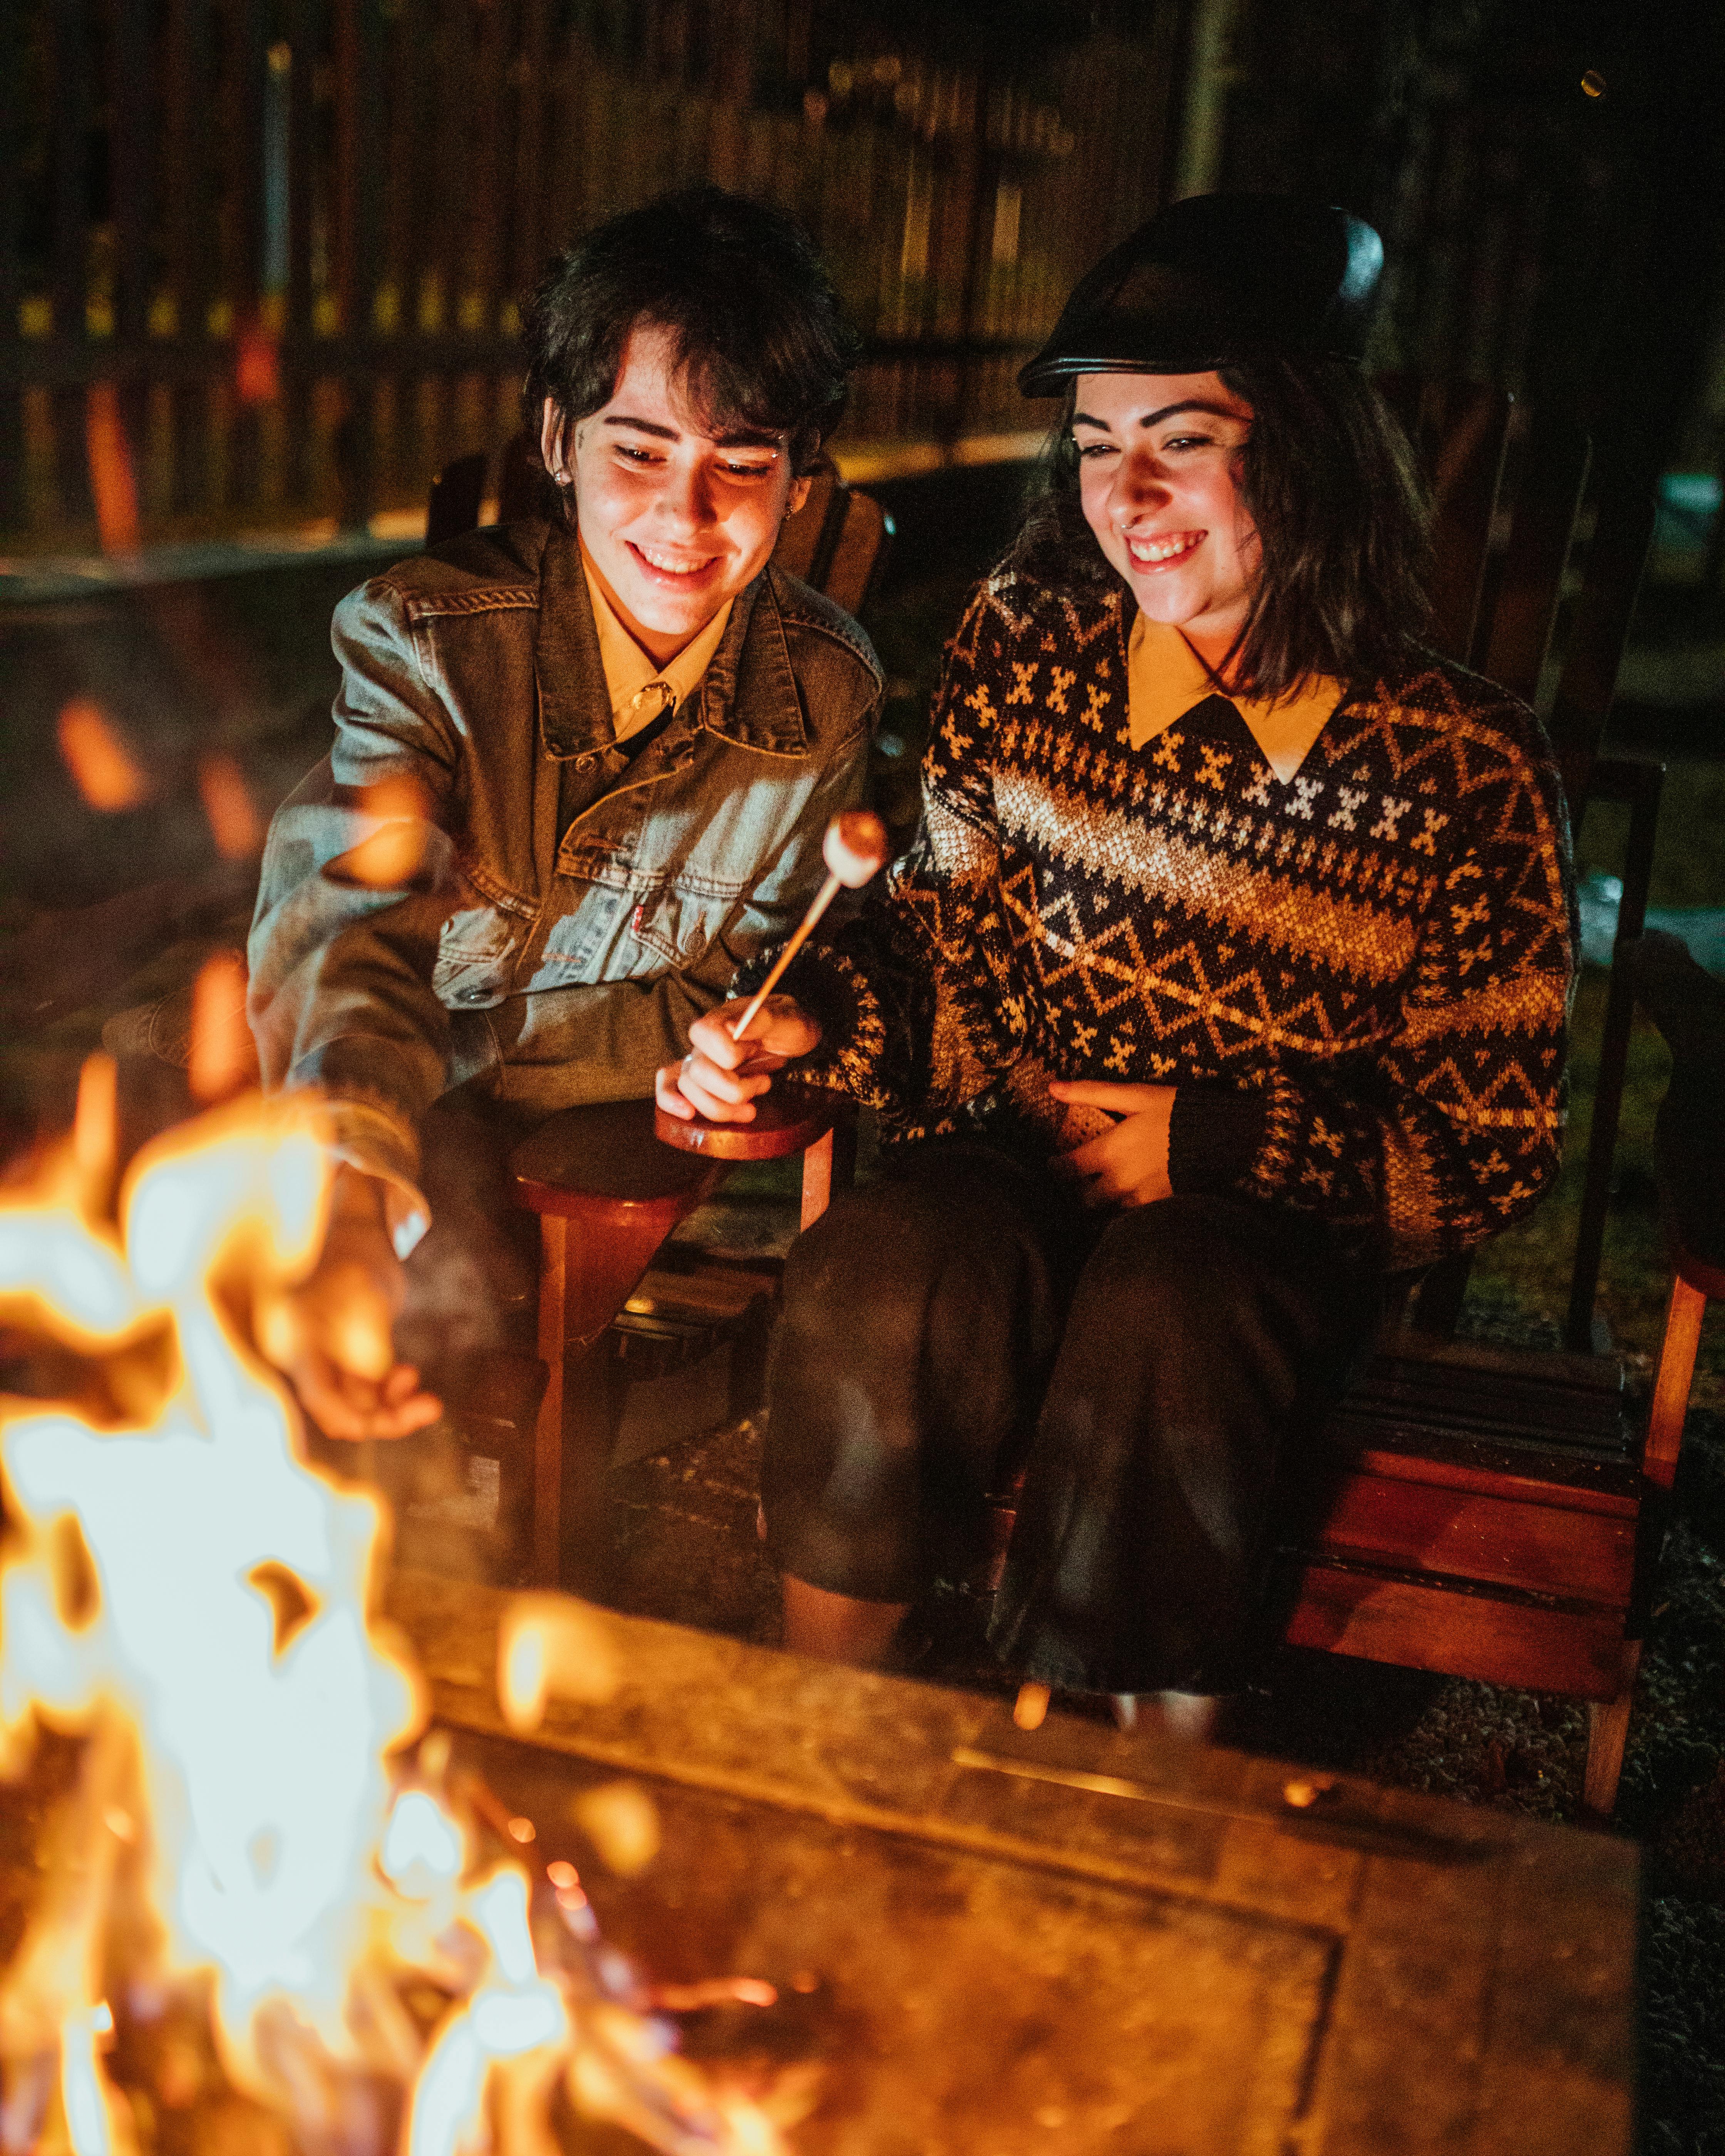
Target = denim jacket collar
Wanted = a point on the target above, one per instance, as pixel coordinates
(748, 695)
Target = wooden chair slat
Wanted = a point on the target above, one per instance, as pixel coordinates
(523, 485)
(1495, 1639)
(1582, 1485)
(456, 493)
(1461, 433)
(1416, 1527)
(1611, 584)
(1524, 605)
(803, 541)
(859, 549)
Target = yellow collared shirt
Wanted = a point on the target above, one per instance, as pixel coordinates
(638, 690)
(1166, 678)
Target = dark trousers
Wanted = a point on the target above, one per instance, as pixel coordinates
(1157, 1364)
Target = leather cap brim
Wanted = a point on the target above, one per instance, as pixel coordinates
(1214, 280)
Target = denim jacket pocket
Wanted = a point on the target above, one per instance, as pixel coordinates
(676, 925)
(482, 937)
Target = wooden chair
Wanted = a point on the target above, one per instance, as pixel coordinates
(1518, 1541)
(609, 1184)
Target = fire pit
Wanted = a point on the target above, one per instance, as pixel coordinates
(636, 1886)
(990, 1941)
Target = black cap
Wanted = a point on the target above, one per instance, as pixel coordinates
(1215, 279)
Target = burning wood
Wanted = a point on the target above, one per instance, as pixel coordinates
(254, 1894)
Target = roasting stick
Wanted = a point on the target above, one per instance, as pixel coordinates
(853, 849)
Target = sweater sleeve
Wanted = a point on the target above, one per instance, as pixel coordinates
(921, 999)
(1446, 1123)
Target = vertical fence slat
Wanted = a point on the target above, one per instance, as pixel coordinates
(70, 31)
(359, 199)
(302, 24)
(186, 206)
(527, 240)
(481, 271)
(133, 129)
(12, 491)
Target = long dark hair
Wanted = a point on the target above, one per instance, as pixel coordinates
(760, 336)
(1331, 483)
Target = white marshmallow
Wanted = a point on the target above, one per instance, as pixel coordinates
(854, 847)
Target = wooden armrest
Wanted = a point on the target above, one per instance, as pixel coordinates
(604, 1161)
(1687, 1005)
(789, 1119)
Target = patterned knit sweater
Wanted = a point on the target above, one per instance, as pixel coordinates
(1357, 981)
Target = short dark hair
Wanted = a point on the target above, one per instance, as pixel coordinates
(760, 339)
(1331, 483)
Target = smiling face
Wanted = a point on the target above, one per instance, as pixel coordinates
(675, 521)
(1158, 479)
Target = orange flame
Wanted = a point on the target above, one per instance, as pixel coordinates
(103, 769)
(183, 1595)
(393, 852)
(222, 1058)
(232, 815)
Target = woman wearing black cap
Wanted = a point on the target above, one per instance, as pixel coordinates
(1227, 977)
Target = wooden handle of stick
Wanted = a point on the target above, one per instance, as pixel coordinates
(823, 899)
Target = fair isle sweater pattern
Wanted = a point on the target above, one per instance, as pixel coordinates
(1358, 980)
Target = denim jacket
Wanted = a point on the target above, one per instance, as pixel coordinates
(561, 913)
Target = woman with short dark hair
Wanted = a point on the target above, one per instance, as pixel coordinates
(1227, 977)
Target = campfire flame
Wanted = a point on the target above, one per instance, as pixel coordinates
(188, 1600)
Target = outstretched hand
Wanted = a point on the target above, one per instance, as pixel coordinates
(332, 1334)
(720, 1078)
(1128, 1164)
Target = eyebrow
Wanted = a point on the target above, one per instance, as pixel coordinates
(737, 437)
(1168, 411)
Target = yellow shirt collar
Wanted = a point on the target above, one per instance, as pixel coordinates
(1166, 679)
(637, 690)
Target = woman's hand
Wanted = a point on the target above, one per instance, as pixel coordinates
(720, 1078)
(331, 1335)
(1127, 1165)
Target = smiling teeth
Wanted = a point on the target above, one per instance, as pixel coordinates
(671, 569)
(1163, 550)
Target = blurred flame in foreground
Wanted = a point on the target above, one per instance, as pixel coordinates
(391, 854)
(234, 823)
(220, 1054)
(103, 769)
(184, 1596)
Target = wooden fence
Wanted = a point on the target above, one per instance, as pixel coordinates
(260, 260)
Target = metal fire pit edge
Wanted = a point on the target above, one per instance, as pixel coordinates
(1073, 1939)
